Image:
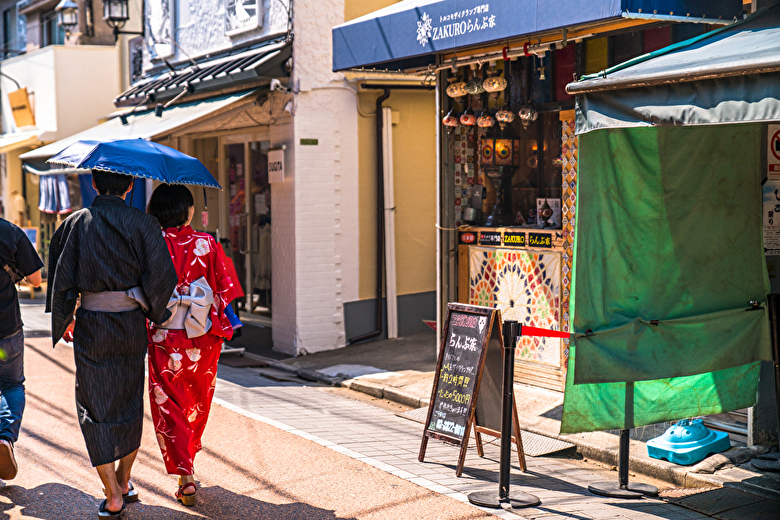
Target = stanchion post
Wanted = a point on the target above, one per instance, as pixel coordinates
(517, 499)
(510, 333)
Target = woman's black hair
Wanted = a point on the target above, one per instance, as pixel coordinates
(108, 183)
(170, 204)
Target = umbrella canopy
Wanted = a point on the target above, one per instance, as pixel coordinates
(138, 158)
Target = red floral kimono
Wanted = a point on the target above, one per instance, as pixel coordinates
(183, 371)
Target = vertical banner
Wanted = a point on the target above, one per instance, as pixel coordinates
(771, 192)
(160, 28)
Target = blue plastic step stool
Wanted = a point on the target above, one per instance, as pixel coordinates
(687, 442)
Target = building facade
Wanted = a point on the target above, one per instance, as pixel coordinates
(243, 84)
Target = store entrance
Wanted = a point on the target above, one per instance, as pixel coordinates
(249, 220)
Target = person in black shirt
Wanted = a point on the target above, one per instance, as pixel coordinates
(18, 260)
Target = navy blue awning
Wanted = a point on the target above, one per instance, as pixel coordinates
(408, 34)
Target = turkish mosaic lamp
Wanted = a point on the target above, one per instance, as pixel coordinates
(468, 118)
(456, 89)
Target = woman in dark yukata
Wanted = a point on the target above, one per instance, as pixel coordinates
(113, 256)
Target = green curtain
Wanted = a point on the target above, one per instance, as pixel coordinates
(668, 253)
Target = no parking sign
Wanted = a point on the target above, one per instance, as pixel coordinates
(773, 152)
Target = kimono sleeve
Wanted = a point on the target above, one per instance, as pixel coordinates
(225, 290)
(158, 276)
(61, 293)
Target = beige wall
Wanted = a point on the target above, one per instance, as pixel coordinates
(356, 8)
(414, 171)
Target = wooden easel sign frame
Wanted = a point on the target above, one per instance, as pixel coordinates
(472, 336)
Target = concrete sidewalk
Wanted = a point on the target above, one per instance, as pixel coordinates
(401, 370)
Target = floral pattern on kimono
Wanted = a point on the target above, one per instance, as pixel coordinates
(183, 371)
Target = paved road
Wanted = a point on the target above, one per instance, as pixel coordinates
(248, 469)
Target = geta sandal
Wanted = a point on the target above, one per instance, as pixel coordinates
(105, 513)
(187, 499)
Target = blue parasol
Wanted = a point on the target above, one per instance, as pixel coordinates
(137, 158)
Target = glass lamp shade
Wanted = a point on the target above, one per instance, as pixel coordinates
(456, 90)
(450, 120)
(499, 149)
(115, 12)
(67, 15)
(494, 84)
(468, 118)
(527, 115)
(485, 120)
(474, 86)
(504, 117)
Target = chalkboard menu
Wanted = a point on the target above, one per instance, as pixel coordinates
(467, 330)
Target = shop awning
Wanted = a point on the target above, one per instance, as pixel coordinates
(146, 125)
(14, 141)
(232, 70)
(725, 76)
(669, 237)
(409, 34)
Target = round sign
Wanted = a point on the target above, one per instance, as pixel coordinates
(775, 145)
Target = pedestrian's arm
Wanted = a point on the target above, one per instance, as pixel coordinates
(28, 263)
(34, 279)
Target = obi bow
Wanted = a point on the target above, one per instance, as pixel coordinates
(190, 312)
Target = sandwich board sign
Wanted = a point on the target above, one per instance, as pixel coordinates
(472, 335)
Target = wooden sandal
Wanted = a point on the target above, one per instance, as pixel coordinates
(187, 499)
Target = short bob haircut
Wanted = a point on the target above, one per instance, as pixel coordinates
(170, 204)
(108, 183)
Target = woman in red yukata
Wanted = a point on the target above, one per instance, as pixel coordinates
(183, 352)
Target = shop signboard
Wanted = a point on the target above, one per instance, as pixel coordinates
(421, 28)
(771, 217)
(490, 238)
(276, 165)
(20, 108)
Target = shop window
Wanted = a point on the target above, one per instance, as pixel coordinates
(52, 33)
(532, 166)
(685, 31)
(624, 47)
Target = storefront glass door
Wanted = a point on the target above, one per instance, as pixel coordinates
(249, 219)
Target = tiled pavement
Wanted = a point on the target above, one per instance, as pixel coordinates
(378, 437)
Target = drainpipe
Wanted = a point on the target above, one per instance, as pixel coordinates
(380, 220)
(380, 205)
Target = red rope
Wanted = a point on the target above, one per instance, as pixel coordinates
(546, 333)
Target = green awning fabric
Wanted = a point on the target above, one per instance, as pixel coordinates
(669, 229)
(729, 75)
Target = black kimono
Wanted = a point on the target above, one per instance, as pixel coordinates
(109, 247)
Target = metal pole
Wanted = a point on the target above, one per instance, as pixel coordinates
(517, 499)
(773, 303)
(510, 341)
(623, 460)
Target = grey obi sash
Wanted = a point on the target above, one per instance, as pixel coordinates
(190, 312)
(114, 301)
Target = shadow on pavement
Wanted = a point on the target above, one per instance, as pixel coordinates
(218, 502)
(48, 501)
(58, 501)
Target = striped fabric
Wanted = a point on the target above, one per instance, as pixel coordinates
(109, 247)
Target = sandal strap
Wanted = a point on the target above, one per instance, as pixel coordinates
(187, 485)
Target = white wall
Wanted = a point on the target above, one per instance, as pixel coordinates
(202, 28)
(324, 199)
(71, 87)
